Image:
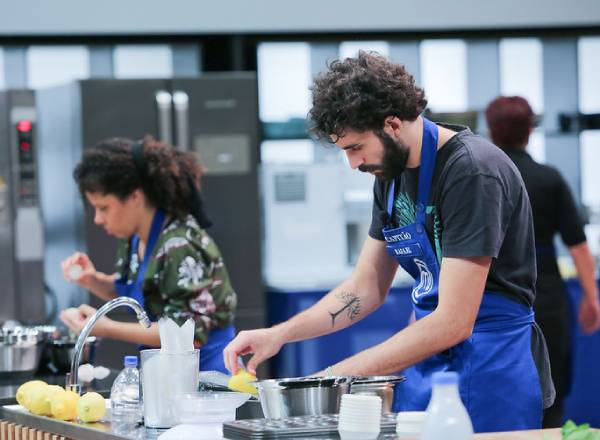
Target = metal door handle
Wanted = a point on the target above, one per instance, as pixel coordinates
(164, 103)
(181, 102)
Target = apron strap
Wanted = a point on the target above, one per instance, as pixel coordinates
(135, 290)
(428, 154)
(157, 224)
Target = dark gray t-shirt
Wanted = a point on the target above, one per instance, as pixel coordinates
(478, 206)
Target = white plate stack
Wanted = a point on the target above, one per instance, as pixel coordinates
(360, 417)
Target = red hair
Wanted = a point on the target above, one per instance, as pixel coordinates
(510, 119)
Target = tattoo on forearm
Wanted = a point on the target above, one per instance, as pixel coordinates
(351, 306)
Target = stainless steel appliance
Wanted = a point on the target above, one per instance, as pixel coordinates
(21, 231)
(214, 115)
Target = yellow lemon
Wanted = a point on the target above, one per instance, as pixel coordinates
(91, 407)
(23, 391)
(63, 405)
(36, 400)
(39, 403)
(241, 382)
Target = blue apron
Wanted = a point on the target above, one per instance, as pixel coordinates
(211, 353)
(499, 382)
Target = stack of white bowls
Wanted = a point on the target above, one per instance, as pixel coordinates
(360, 417)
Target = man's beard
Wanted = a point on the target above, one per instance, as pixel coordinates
(393, 163)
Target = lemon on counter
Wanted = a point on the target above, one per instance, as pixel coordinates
(63, 405)
(23, 392)
(91, 407)
(241, 382)
(39, 400)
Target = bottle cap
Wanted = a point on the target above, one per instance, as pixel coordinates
(130, 361)
(445, 378)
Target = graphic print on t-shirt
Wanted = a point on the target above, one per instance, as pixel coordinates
(405, 210)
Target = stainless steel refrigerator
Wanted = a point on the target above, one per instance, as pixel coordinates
(215, 115)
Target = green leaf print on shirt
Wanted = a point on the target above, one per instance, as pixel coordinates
(405, 210)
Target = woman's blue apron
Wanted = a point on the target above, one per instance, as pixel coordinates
(211, 353)
(499, 382)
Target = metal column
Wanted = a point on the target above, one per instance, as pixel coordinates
(561, 96)
(483, 77)
(408, 54)
(320, 55)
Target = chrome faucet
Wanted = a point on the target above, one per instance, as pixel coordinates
(72, 377)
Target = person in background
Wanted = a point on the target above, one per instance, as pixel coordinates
(146, 194)
(510, 121)
(451, 209)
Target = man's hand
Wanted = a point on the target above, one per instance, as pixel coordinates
(589, 314)
(263, 343)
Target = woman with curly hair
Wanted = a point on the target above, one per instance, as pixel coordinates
(146, 194)
(451, 209)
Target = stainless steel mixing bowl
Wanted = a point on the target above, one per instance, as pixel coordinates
(301, 396)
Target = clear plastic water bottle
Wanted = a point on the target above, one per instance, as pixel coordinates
(125, 393)
(447, 418)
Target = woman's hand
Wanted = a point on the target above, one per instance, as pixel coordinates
(77, 318)
(79, 269)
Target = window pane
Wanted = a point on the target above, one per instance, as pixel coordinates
(589, 68)
(143, 61)
(443, 67)
(288, 151)
(283, 81)
(2, 80)
(521, 70)
(590, 178)
(53, 65)
(349, 49)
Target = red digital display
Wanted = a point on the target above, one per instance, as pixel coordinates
(25, 146)
(24, 125)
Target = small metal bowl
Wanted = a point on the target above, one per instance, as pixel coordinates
(382, 386)
(59, 352)
(301, 396)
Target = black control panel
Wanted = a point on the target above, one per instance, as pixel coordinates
(27, 171)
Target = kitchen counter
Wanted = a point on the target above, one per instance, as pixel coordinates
(15, 415)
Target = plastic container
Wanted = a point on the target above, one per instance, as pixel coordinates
(164, 375)
(203, 407)
(125, 393)
(446, 417)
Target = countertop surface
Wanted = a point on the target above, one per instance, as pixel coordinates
(105, 430)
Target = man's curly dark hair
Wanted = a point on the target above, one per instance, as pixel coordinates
(359, 93)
